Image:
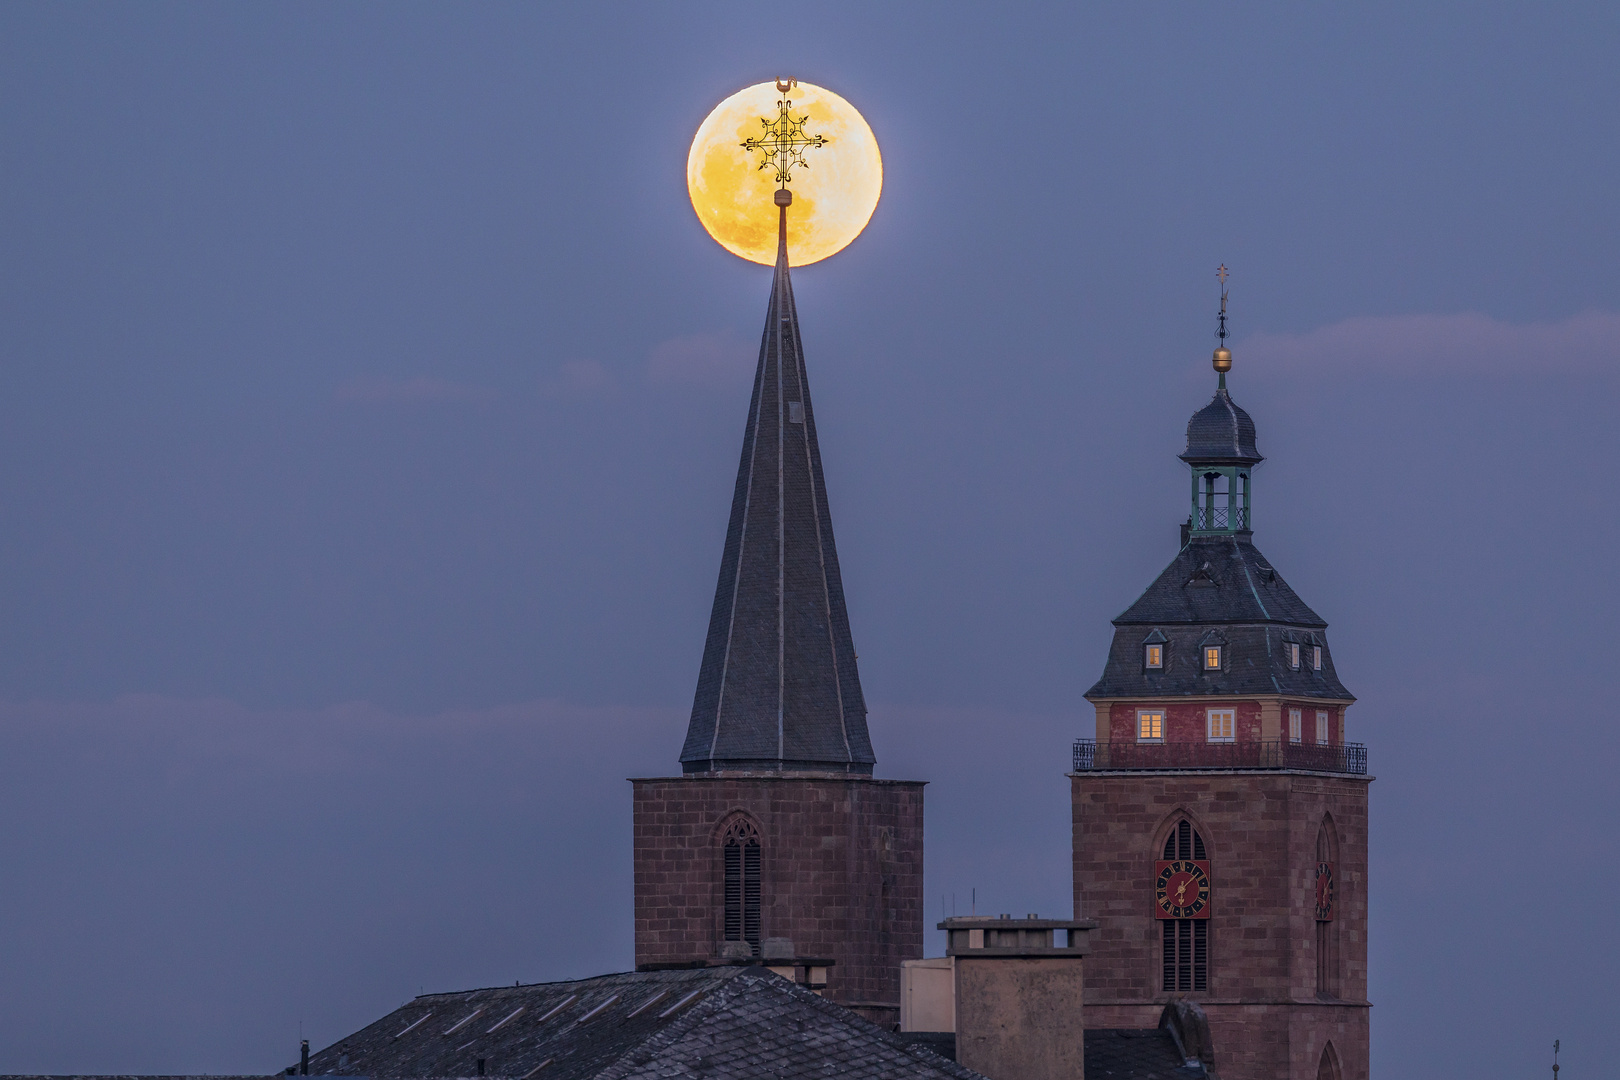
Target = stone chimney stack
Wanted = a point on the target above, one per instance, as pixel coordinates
(1018, 987)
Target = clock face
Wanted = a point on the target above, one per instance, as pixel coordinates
(1181, 889)
(1324, 891)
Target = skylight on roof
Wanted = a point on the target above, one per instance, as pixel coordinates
(649, 1003)
(507, 1019)
(594, 1013)
(681, 1004)
(463, 1022)
(567, 1001)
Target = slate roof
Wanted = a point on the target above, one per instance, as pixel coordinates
(717, 1023)
(1220, 583)
(778, 688)
(1137, 1054)
(1221, 433)
(1220, 579)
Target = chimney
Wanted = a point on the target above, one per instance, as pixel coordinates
(1018, 990)
(303, 1058)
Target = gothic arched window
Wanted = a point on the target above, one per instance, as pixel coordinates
(741, 850)
(1327, 1067)
(1327, 900)
(1186, 941)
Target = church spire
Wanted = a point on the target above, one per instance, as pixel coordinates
(777, 689)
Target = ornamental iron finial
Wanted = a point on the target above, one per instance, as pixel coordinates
(1223, 356)
(783, 144)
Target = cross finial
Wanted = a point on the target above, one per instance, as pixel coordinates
(1223, 357)
(783, 143)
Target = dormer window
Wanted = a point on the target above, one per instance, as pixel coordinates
(1153, 651)
(1316, 658)
(1293, 655)
(1212, 657)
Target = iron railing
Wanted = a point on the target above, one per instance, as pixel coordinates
(1348, 758)
(1222, 517)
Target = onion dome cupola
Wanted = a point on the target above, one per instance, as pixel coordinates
(1222, 454)
(1220, 592)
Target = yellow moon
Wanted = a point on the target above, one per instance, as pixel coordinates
(833, 197)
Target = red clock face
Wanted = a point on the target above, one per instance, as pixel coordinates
(1324, 891)
(1181, 889)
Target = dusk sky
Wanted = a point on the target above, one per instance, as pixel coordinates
(370, 403)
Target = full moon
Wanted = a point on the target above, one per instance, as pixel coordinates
(833, 196)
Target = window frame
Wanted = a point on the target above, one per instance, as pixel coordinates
(1230, 715)
(1296, 726)
(1316, 658)
(1140, 714)
(1220, 657)
(1324, 727)
(1293, 655)
(1153, 656)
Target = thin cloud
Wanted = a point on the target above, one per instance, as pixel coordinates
(1467, 343)
(575, 378)
(421, 389)
(701, 358)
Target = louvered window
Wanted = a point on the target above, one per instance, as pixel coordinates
(1327, 937)
(742, 884)
(1186, 941)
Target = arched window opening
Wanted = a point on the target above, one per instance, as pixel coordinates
(741, 848)
(1327, 898)
(1328, 1067)
(1186, 941)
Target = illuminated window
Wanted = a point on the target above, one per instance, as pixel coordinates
(1149, 725)
(1155, 656)
(1212, 657)
(1222, 724)
(1293, 655)
(1322, 728)
(1296, 724)
(1316, 657)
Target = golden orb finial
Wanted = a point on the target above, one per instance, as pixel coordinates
(1223, 360)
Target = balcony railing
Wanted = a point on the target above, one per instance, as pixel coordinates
(1209, 518)
(1348, 758)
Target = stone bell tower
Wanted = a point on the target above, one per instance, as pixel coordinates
(1220, 814)
(776, 844)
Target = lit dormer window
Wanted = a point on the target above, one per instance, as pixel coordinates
(1293, 655)
(1316, 657)
(1153, 651)
(1212, 657)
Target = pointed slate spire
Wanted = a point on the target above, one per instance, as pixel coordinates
(778, 690)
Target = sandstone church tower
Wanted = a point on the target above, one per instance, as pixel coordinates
(1220, 816)
(776, 842)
